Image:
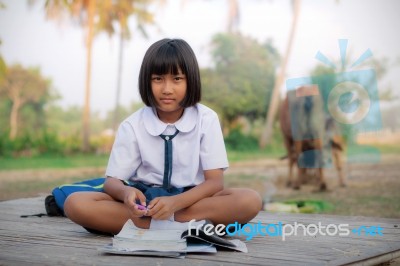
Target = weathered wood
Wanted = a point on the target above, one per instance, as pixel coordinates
(58, 241)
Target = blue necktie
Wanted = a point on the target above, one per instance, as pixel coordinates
(168, 159)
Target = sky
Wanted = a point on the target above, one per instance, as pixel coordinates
(58, 48)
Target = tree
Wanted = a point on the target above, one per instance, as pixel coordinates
(123, 111)
(119, 12)
(233, 15)
(85, 11)
(22, 86)
(3, 69)
(3, 101)
(97, 16)
(240, 81)
(274, 101)
(64, 121)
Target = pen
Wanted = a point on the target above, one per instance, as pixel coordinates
(141, 207)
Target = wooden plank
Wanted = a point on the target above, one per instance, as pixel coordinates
(56, 240)
(325, 218)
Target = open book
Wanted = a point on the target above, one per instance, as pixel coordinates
(132, 240)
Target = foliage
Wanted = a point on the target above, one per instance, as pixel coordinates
(118, 12)
(66, 121)
(3, 69)
(31, 144)
(124, 112)
(241, 81)
(38, 143)
(102, 144)
(5, 107)
(72, 144)
(326, 77)
(238, 141)
(27, 92)
(59, 133)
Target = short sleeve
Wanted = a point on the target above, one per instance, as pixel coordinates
(212, 146)
(125, 157)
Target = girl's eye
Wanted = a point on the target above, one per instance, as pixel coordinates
(156, 78)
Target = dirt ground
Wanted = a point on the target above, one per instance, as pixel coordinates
(30, 183)
(372, 189)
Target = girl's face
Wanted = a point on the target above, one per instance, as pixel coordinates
(169, 91)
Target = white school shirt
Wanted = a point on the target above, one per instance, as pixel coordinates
(138, 150)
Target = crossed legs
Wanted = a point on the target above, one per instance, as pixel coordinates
(101, 212)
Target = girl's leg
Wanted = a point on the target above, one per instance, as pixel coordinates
(227, 206)
(99, 211)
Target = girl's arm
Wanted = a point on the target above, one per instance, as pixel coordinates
(163, 207)
(128, 195)
(214, 182)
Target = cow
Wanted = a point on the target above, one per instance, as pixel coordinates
(308, 134)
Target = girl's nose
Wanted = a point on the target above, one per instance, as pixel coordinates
(168, 87)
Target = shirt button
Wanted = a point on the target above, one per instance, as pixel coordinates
(167, 138)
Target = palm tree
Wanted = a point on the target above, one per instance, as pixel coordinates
(233, 15)
(105, 13)
(85, 11)
(119, 12)
(274, 103)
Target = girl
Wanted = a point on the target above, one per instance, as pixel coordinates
(168, 156)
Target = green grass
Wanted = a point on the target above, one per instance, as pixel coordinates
(92, 160)
(13, 189)
(385, 149)
(43, 162)
(389, 149)
(38, 185)
(277, 151)
(235, 156)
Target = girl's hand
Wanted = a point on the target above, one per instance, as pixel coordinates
(162, 208)
(130, 197)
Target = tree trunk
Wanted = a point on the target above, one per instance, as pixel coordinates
(233, 15)
(275, 97)
(86, 110)
(14, 118)
(119, 75)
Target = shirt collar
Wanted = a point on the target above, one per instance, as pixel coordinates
(156, 127)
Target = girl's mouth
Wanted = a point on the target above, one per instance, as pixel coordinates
(167, 101)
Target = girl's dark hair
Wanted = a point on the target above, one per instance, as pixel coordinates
(167, 56)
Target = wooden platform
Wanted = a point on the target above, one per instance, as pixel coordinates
(57, 241)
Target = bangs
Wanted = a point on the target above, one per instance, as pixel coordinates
(168, 61)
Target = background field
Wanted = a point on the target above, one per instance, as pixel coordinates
(373, 189)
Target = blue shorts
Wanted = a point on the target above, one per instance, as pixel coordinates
(151, 192)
